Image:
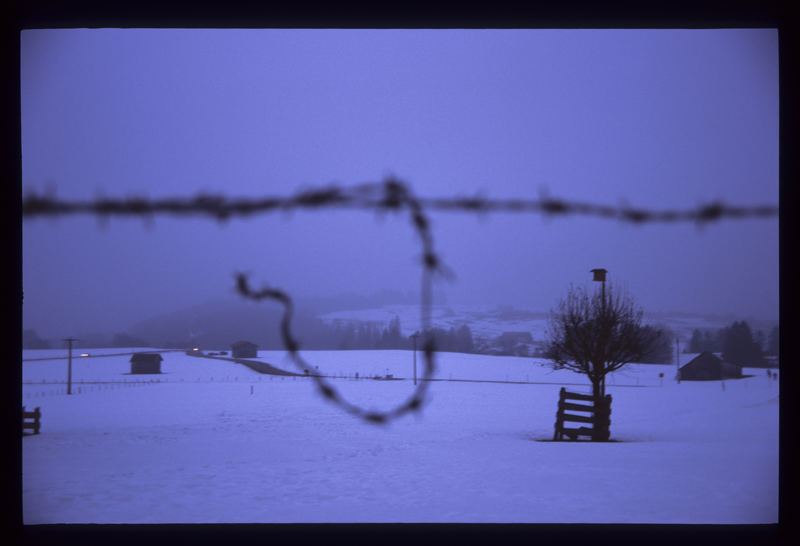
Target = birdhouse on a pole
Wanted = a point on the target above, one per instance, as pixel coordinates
(599, 274)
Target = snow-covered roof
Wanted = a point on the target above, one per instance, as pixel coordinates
(146, 357)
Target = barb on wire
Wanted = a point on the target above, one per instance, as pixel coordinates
(391, 195)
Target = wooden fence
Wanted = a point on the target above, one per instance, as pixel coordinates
(599, 410)
(31, 420)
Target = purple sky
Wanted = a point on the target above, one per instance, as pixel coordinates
(653, 118)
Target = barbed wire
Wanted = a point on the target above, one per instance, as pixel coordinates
(390, 195)
(365, 197)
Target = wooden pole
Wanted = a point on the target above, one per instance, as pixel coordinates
(69, 341)
(414, 337)
(603, 381)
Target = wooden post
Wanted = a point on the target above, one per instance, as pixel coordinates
(35, 415)
(602, 421)
(414, 337)
(69, 365)
(557, 433)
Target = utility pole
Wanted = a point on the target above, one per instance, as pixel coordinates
(414, 337)
(69, 341)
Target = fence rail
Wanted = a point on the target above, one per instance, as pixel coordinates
(600, 418)
(31, 420)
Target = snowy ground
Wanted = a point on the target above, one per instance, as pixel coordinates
(213, 441)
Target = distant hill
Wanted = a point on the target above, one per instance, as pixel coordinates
(213, 324)
(218, 323)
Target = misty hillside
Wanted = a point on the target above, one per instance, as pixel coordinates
(488, 322)
(218, 323)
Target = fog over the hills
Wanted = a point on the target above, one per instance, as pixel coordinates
(659, 119)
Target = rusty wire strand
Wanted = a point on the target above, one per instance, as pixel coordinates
(364, 197)
(391, 195)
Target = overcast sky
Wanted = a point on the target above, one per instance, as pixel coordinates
(652, 118)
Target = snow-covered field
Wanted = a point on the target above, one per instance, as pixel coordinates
(213, 441)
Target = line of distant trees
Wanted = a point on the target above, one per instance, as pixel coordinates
(662, 350)
(737, 342)
(319, 336)
(31, 340)
(367, 335)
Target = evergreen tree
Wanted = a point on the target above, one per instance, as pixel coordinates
(347, 337)
(372, 336)
(452, 340)
(440, 339)
(362, 337)
(717, 341)
(392, 336)
(464, 341)
(773, 346)
(739, 347)
(698, 342)
(661, 351)
(761, 340)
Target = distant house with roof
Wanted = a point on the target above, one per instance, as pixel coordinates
(146, 363)
(244, 349)
(708, 367)
(513, 343)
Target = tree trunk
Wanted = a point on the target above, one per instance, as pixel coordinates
(598, 388)
(599, 392)
(597, 377)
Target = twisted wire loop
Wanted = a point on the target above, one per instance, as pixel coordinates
(391, 195)
(395, 196)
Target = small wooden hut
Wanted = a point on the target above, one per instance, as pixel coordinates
(144, 363)
(244, 349)
(708, 367)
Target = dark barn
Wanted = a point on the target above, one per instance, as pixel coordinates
(244, 349)
(707, 367)
(146, 363)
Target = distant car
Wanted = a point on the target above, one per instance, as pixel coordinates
(84, 354)
(223, 352)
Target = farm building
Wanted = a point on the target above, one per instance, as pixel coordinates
(706, 366)
(244, 349)
(514, 343)
(514, 338)
(146, 363)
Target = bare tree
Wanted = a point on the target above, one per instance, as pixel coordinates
(597, 334)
